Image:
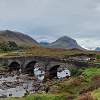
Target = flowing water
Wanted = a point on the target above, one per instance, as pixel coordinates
(63, 73)
(39, 73)
(60, 74)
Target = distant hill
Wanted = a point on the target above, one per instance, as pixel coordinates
(44, 44)
(97, 49)
(17, 37)
(64, 43)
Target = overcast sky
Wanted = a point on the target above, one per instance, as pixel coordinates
(47, 20)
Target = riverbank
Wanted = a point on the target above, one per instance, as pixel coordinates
(86, 85)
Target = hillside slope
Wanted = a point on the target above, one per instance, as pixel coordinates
(64, 43)
(17, 37)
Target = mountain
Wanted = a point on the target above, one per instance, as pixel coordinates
(64, 42)
(44, 44)
(25, 40)
(17, 37)
(97, 49)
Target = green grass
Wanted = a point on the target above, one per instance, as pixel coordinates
(40, 97)
(90, 72)
(76, 84)
(96, 94)
(46, 97)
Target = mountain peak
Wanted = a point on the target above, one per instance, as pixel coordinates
(65, 42)
(66, 39)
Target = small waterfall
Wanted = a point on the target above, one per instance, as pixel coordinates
(39, 73)
(62, 73)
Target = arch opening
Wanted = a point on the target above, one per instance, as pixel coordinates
(29, 69)
(53, 72)
(14, 66)
(59, 72)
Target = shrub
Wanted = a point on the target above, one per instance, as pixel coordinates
(98, 57)
(90, 72)
(75, 71)
(9, 46)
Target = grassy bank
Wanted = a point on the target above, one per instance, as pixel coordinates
(96, 94)
(40, 97)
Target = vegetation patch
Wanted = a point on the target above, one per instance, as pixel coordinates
(96, 94)
(90, 72)
(40, 97)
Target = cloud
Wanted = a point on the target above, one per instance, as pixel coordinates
(50, 19)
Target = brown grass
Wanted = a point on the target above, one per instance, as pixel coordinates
(86, 96)
(40, 51)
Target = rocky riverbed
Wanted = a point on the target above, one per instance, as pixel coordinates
(15, 85)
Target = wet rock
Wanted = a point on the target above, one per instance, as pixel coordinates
(12, 84)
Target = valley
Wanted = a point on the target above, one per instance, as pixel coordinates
(36, 71)
(49, 49)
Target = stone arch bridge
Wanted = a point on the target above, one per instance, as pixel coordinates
(48, 64)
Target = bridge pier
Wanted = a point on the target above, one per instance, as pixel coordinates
(46, 76)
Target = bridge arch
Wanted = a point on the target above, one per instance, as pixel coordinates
(53, 71)
(14, 66)
(29, 67)
(59, 70)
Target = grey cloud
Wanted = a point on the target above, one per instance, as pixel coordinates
(50, 19)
